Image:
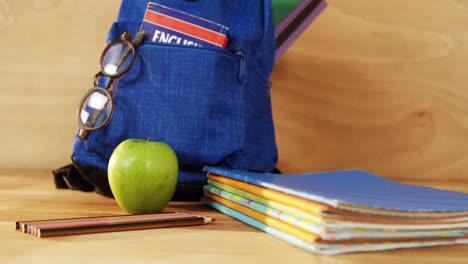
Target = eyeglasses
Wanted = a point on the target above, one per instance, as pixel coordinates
(97, 105)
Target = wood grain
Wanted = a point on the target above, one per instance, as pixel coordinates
(31, 196)
(378, 86)
(50, 53)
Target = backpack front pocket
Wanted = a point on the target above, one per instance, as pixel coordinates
(188, 97)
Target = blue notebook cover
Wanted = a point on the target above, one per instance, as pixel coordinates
(355, 189)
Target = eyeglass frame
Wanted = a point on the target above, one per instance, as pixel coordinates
(124, 37)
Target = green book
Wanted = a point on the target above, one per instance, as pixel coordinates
(281, 8)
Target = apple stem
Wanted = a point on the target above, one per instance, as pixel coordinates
(148, 139)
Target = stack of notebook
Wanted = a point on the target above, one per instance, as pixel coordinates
(340, 212)
(292, 17)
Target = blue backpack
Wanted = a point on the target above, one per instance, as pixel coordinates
(212, 106)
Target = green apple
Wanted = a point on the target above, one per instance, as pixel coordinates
(143, 175)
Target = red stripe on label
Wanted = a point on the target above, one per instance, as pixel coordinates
(186, 28)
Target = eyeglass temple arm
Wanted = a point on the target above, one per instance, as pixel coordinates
(137, 40)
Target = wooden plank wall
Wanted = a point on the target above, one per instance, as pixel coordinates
(373, 85)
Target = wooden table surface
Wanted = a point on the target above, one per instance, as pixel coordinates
(32, 195)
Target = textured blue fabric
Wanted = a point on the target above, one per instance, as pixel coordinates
(212, 106)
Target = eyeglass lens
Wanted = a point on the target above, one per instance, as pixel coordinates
(96, 108)
(117, 59)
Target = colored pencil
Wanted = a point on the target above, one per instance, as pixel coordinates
(90, 225)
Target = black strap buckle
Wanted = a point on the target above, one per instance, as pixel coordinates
(68, 177)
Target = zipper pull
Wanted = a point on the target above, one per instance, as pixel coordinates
(242, 67)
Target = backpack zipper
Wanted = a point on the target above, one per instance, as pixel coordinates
(242, 67)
